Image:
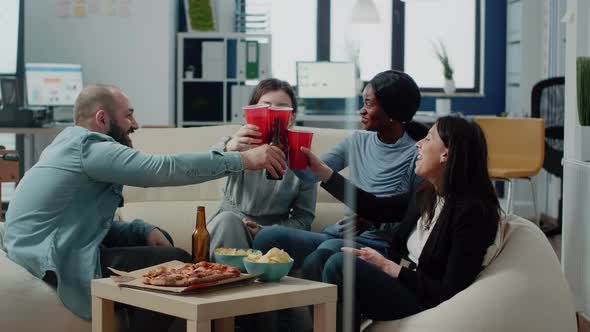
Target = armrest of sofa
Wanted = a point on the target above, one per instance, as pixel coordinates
(29, 304)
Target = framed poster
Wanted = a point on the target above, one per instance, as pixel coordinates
(200, 15)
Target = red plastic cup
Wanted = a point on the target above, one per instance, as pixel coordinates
(258, 115)
(284, 116)
(297, 139)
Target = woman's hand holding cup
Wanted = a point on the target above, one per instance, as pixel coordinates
(317, 166)
(246, 138)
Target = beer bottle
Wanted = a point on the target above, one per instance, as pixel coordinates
(200, 239)
(276, 141)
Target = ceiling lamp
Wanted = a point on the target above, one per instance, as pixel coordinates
(364, 12)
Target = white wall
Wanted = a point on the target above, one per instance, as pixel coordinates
(224, 14)
(135, 52)
(548, 187)
(527, 63)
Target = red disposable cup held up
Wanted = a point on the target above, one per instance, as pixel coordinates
(258, 115)
(297, 139)
(284, 116)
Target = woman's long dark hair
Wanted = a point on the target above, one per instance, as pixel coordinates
(466, 173)
(273, 84)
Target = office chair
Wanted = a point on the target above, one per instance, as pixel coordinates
(547, 102)
(8, 170)
(515, 151)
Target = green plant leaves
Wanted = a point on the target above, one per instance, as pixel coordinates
(583, 89)
(443, 57)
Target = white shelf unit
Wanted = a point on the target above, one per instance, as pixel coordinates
(218, 62)
(576, 187)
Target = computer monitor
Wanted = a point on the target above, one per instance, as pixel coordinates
(52, 84)
(326, 79)
(9, 36)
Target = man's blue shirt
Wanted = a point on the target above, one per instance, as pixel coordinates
(64, 206)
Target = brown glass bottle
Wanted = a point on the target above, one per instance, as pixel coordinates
(276, 141)
(200, 238)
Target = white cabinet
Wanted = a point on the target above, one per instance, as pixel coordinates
(576, 187)
(576, 231)
(216, 73)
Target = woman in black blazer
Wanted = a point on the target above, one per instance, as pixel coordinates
(447, 225)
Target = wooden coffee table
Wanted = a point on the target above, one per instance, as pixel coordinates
(220, 306)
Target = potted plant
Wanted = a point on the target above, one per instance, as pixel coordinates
(189, 72)
(443, 57)
(583, 96)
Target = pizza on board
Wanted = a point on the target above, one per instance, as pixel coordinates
(189, 274)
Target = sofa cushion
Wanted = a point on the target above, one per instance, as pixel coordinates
(494, 249)
(175, 140)
(29, 304)
(523, 289)
(327, 214)
(178, 217)
(174, 208)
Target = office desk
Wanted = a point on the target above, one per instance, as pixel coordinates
(27, 149)
(348, 121)
(31, 131)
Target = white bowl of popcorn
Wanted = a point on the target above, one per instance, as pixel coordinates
(272, 266)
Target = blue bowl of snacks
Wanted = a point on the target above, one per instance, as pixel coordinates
(271, 266)
(233, 257)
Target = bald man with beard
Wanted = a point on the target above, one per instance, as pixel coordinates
(59, 225)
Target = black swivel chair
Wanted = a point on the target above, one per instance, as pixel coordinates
(548, 103)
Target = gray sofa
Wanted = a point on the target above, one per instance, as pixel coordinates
(523, 289)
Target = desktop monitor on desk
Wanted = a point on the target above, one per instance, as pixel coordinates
(328, 88)
(53, 85)
(326, 79)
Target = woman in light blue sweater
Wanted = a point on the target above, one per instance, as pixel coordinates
(250, 200)
(381, 161)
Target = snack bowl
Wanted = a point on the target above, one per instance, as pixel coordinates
(268, 271)
(236, 260)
